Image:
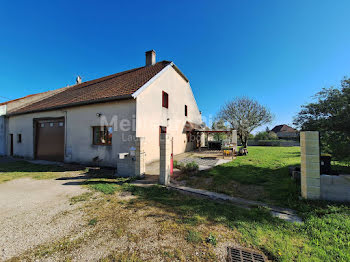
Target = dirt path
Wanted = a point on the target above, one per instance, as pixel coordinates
(33, 212)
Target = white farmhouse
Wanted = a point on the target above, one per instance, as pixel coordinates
(93, 122)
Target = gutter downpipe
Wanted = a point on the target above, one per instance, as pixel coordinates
(65, 133)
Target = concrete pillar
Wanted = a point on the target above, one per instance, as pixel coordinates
(310, 165)
(234, 139)
(165, 154)
(140, 163)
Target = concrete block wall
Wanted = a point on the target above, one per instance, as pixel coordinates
(126, 167)
(165, 154)
(335, 188)
(133, 166)
(310, 165)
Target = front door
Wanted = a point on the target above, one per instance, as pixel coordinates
(50, 139)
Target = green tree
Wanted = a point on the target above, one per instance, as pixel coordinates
(219, 125)
(330, 115)
(264, 135)
(245, 115)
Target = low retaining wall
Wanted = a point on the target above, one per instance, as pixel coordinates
(271, 143)
(335, 188)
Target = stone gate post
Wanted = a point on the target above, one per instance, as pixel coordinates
(234, 139)
(310, 165)
(165, 154)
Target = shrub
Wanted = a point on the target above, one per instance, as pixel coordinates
(265, 136)
(191, 167)
(211, 239)
(269, 142)
(180, 166)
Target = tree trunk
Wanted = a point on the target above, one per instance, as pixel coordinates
(245, 143)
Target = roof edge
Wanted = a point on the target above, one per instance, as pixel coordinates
(149, 82)
(142, 88)
(107, 99)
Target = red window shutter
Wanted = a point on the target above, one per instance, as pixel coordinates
(165, 99)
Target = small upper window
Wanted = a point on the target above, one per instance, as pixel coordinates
(165, 100)
(19, 138)
(102, 135)
(185, 110)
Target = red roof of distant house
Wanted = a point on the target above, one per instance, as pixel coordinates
(284, 128)
(113, 87)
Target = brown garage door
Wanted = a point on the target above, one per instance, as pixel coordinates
(50, 139)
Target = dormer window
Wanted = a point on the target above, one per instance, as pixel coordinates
(165, 100)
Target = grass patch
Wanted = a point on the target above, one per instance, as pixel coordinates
(21, 169)
(194, 237)
(80, 198)
(324, 236)
(108, 186)
(261, 175)
(92, 222)
(125, 256)
(107, 189)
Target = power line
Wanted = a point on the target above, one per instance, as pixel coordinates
(5, 97)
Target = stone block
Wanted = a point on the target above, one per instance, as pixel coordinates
(314, 182)
(326, 179)
(310, 165)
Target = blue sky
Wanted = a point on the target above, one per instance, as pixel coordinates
(278, 52)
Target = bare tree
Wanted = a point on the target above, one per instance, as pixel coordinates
(245, 115)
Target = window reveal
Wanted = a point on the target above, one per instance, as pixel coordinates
(102, 135)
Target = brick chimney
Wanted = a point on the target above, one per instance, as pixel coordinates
(150, 57)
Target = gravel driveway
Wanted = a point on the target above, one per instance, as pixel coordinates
(34, 212)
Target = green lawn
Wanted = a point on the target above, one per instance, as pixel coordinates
(22, 169)
(261, 175)
(194, 226)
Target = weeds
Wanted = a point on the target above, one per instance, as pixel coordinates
(211, 239)
(92, 222)
(83, 197)
(194, 237)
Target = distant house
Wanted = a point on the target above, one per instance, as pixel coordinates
(285, 132)
(97, 120)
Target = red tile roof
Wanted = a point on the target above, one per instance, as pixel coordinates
(113, 87)
(283, 128)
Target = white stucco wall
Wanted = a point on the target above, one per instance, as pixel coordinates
(79, 122)
(2, 136)
(150, 113)
(2, 130)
